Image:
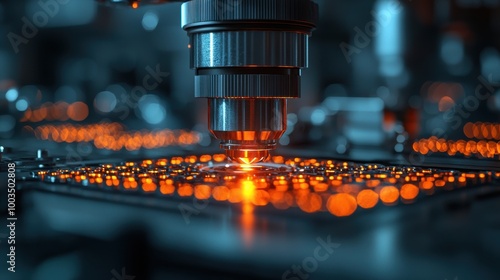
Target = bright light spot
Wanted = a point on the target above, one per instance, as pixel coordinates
(150, 21)
(318, 116)
(105, 101)
(22, 105)
(248, 189)
(12, 94)
(151, 109)
(154, 113)
(389, 40)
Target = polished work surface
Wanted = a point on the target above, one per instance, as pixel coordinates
(264, 221)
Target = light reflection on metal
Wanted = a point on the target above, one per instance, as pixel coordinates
(312, 185)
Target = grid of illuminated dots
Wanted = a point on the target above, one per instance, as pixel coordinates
(312, 185)
(483, 140)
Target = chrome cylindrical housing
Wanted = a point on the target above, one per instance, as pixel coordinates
(247, 55)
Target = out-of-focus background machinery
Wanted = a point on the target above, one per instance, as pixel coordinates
(388, 167)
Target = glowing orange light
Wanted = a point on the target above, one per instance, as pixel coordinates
(235, 195)
(219, 157)
(440, 183)
(167, 188)
(367, 199)
(341, 205)
(281, 199)
(78, 111)
(202, 192)
(310, 202)
(220, 193)
(248, 190)
(409, 191)
(261, 198)
(185, 190)
(135, 5)
(389, 194)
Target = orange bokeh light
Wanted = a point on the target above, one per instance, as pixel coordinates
(310, 202)
(341, 205)
(78, 111)
(389, 194)
(202, 192)
(409, 191)
(367, 199)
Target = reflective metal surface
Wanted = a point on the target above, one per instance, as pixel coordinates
(249, 49)
(248, 127)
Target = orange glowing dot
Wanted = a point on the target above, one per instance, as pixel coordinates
(78, 111)
(367, 199)
(248, 189)
(202, 192)
(247, 208)
(205, 158)
(389, 194)
(167, 189)
(426, 185)
(309, 203)
(281, 200)
(261, 198)
(321, 187)
(220, 193)
(409, 191)
(219, 157)
(135, 5)
(185, 190)
(235, 195)
(341, 205)
(440, 183)
(278, 159)
(372, 183)
(149, 187)
(468, 130)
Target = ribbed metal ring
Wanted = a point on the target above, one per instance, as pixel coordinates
(247, 86)
(196, 11)
(257, 115)
(249, 48)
